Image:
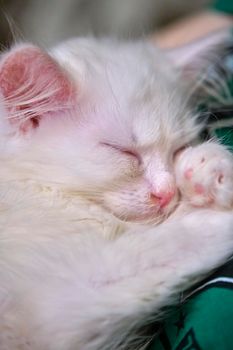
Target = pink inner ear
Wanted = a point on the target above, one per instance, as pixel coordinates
(33, 85)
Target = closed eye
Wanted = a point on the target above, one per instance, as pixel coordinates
(124, 151)
(179, 151)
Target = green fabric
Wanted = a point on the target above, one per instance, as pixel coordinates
(223, 6)
(204, 318)
(205, 322)
(225, 134)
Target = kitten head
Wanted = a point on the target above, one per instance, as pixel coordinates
(102, 119)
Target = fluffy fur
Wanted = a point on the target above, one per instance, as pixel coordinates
(90, 163)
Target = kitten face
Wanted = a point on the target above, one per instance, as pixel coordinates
(112, 129)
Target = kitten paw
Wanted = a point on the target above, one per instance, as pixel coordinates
(204, 175)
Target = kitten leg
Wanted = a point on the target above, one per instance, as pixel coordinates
(94, 297)
(205, 175)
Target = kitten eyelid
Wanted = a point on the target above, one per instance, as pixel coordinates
(179, 150)
(128, 152)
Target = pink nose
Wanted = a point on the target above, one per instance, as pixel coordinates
(162, 198)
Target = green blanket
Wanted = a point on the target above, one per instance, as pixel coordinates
(203, 320)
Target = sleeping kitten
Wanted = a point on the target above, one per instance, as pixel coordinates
(94, 153)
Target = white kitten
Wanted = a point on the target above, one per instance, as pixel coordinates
(89, 140)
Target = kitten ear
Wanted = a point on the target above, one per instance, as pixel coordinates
(195, 57)
(33, 85)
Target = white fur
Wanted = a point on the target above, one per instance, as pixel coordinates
(75, 272)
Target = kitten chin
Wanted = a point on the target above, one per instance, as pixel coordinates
(144, 206)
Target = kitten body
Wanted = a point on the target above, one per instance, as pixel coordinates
(89, 138)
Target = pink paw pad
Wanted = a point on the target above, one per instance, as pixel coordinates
(199, 189)
(188, 173)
